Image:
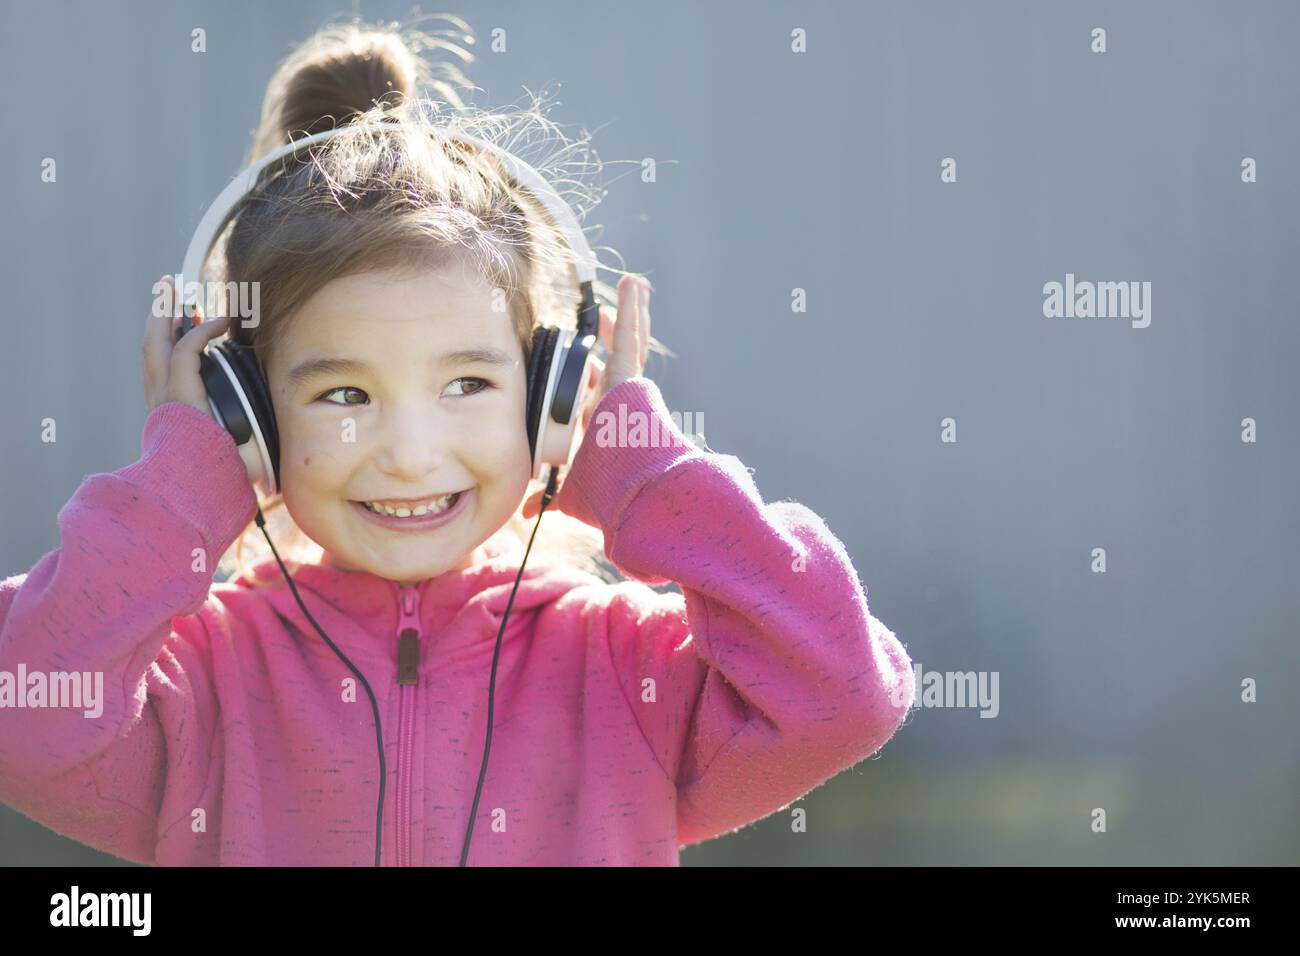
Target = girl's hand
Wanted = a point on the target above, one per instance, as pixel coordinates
(627, 338)
(171, 372)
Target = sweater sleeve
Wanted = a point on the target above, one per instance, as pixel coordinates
(117, 602)
(768, 674)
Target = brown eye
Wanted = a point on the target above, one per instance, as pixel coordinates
(483, 383)
(345, 388)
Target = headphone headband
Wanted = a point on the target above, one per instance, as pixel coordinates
(214, 220)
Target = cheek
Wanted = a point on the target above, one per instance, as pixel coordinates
(495, 452)
(310, 460)
(507, 446)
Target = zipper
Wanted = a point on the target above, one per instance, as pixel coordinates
(408, 678)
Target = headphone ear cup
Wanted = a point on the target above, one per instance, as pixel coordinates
(540, 358)
(564, 393)
(238, 395)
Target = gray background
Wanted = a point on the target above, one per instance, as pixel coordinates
(820, 171)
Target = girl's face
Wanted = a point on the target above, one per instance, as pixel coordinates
(406, 417)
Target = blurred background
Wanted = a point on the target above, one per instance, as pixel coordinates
(820, 171)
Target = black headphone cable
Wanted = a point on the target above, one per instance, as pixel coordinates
(492, 683)
(374, 705)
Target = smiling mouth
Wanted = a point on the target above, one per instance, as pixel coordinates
(433, 506)
(443, 513)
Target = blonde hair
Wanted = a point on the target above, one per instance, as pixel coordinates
(398, 198)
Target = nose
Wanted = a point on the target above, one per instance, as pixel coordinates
(413, 442)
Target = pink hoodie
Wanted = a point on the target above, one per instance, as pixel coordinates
(627, 723)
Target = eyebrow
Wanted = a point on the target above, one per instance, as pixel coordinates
(315, 368)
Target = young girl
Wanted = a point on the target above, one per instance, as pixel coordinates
(628, 722)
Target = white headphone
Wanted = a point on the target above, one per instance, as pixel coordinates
(558, 373)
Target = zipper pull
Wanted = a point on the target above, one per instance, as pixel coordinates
(408, 646)
(408, 658)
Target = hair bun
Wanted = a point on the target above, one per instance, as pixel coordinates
(336, 74)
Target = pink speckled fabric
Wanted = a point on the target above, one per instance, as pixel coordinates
(628, 723)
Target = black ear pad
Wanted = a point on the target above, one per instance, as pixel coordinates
(539, 370)
(243, 362)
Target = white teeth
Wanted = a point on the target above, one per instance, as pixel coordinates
(437, 506)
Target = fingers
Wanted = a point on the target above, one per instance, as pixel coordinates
(193, 342)
(625, 345)
(644, 327)
(171, 370)
(156, 346)
(626, 340)
(607, 328)
(633, 304)
(595, 381)
(185, 383)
